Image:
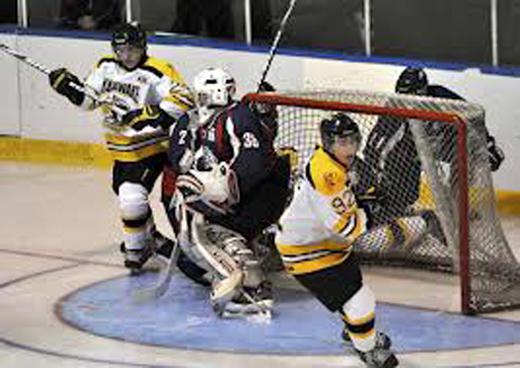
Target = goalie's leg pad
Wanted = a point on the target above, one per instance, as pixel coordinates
(225, 289)
(228, 254)
(209, 246)
(262, 296)
(191, 270)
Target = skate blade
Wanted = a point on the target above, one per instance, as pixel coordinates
(257, 317)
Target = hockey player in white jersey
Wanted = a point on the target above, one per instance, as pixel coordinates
(141, 97)
(318, 231)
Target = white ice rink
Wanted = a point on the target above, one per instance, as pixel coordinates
(58, 233)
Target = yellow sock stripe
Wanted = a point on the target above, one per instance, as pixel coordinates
(359, 321)
(134, 230)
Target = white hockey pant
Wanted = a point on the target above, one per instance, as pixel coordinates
(136, 215)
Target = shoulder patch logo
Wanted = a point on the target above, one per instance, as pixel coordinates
(330, 178)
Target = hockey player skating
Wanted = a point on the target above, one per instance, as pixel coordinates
(234, 185)
(142, 96)
(318, 231)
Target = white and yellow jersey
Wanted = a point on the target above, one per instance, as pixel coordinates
(153, 82)
(323, 220)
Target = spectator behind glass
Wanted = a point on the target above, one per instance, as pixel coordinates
(210, 18)
(8, 12)
(90, 14)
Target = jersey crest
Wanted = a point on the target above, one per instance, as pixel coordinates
(327, 176)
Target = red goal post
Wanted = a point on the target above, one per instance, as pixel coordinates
(448, 135)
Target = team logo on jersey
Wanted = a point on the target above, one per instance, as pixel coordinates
(250, 140)
(142, 79)
(127, 89)
(330, 178)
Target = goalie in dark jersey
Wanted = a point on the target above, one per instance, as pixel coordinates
(234, 185)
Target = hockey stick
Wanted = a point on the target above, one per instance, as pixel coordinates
(160, 288)
(44, 70)
(24, 59)
(276, 41)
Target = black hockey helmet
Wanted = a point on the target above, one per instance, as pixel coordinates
(265, 111)
(338, 126)
(129, 34)
(413, 80)
(266, 87)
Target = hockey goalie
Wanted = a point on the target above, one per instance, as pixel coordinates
(233, 185)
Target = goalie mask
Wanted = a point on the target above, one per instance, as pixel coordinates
(213, 88)
(412, 81)
(129, 44)
(340, 137)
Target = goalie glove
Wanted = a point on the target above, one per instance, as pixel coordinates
(495, 153)
(63, 82)
(148, 115)
(218, 186)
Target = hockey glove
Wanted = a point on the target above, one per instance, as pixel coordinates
(496, 155)
(371, 202)
(218, 185)
(148, 115)
(68, 85)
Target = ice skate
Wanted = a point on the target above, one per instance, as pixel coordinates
(135, 259)
(378, 358)
(383, 341)
(258, 300)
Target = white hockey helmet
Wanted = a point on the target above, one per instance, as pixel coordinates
(213, 88)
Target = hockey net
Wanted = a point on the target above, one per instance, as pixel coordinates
(454, 183)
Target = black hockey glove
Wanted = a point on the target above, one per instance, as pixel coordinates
(149, 115)
(496, 155)
(62, 81)
(371, 202)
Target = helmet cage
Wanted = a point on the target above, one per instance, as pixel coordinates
(213, 88)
